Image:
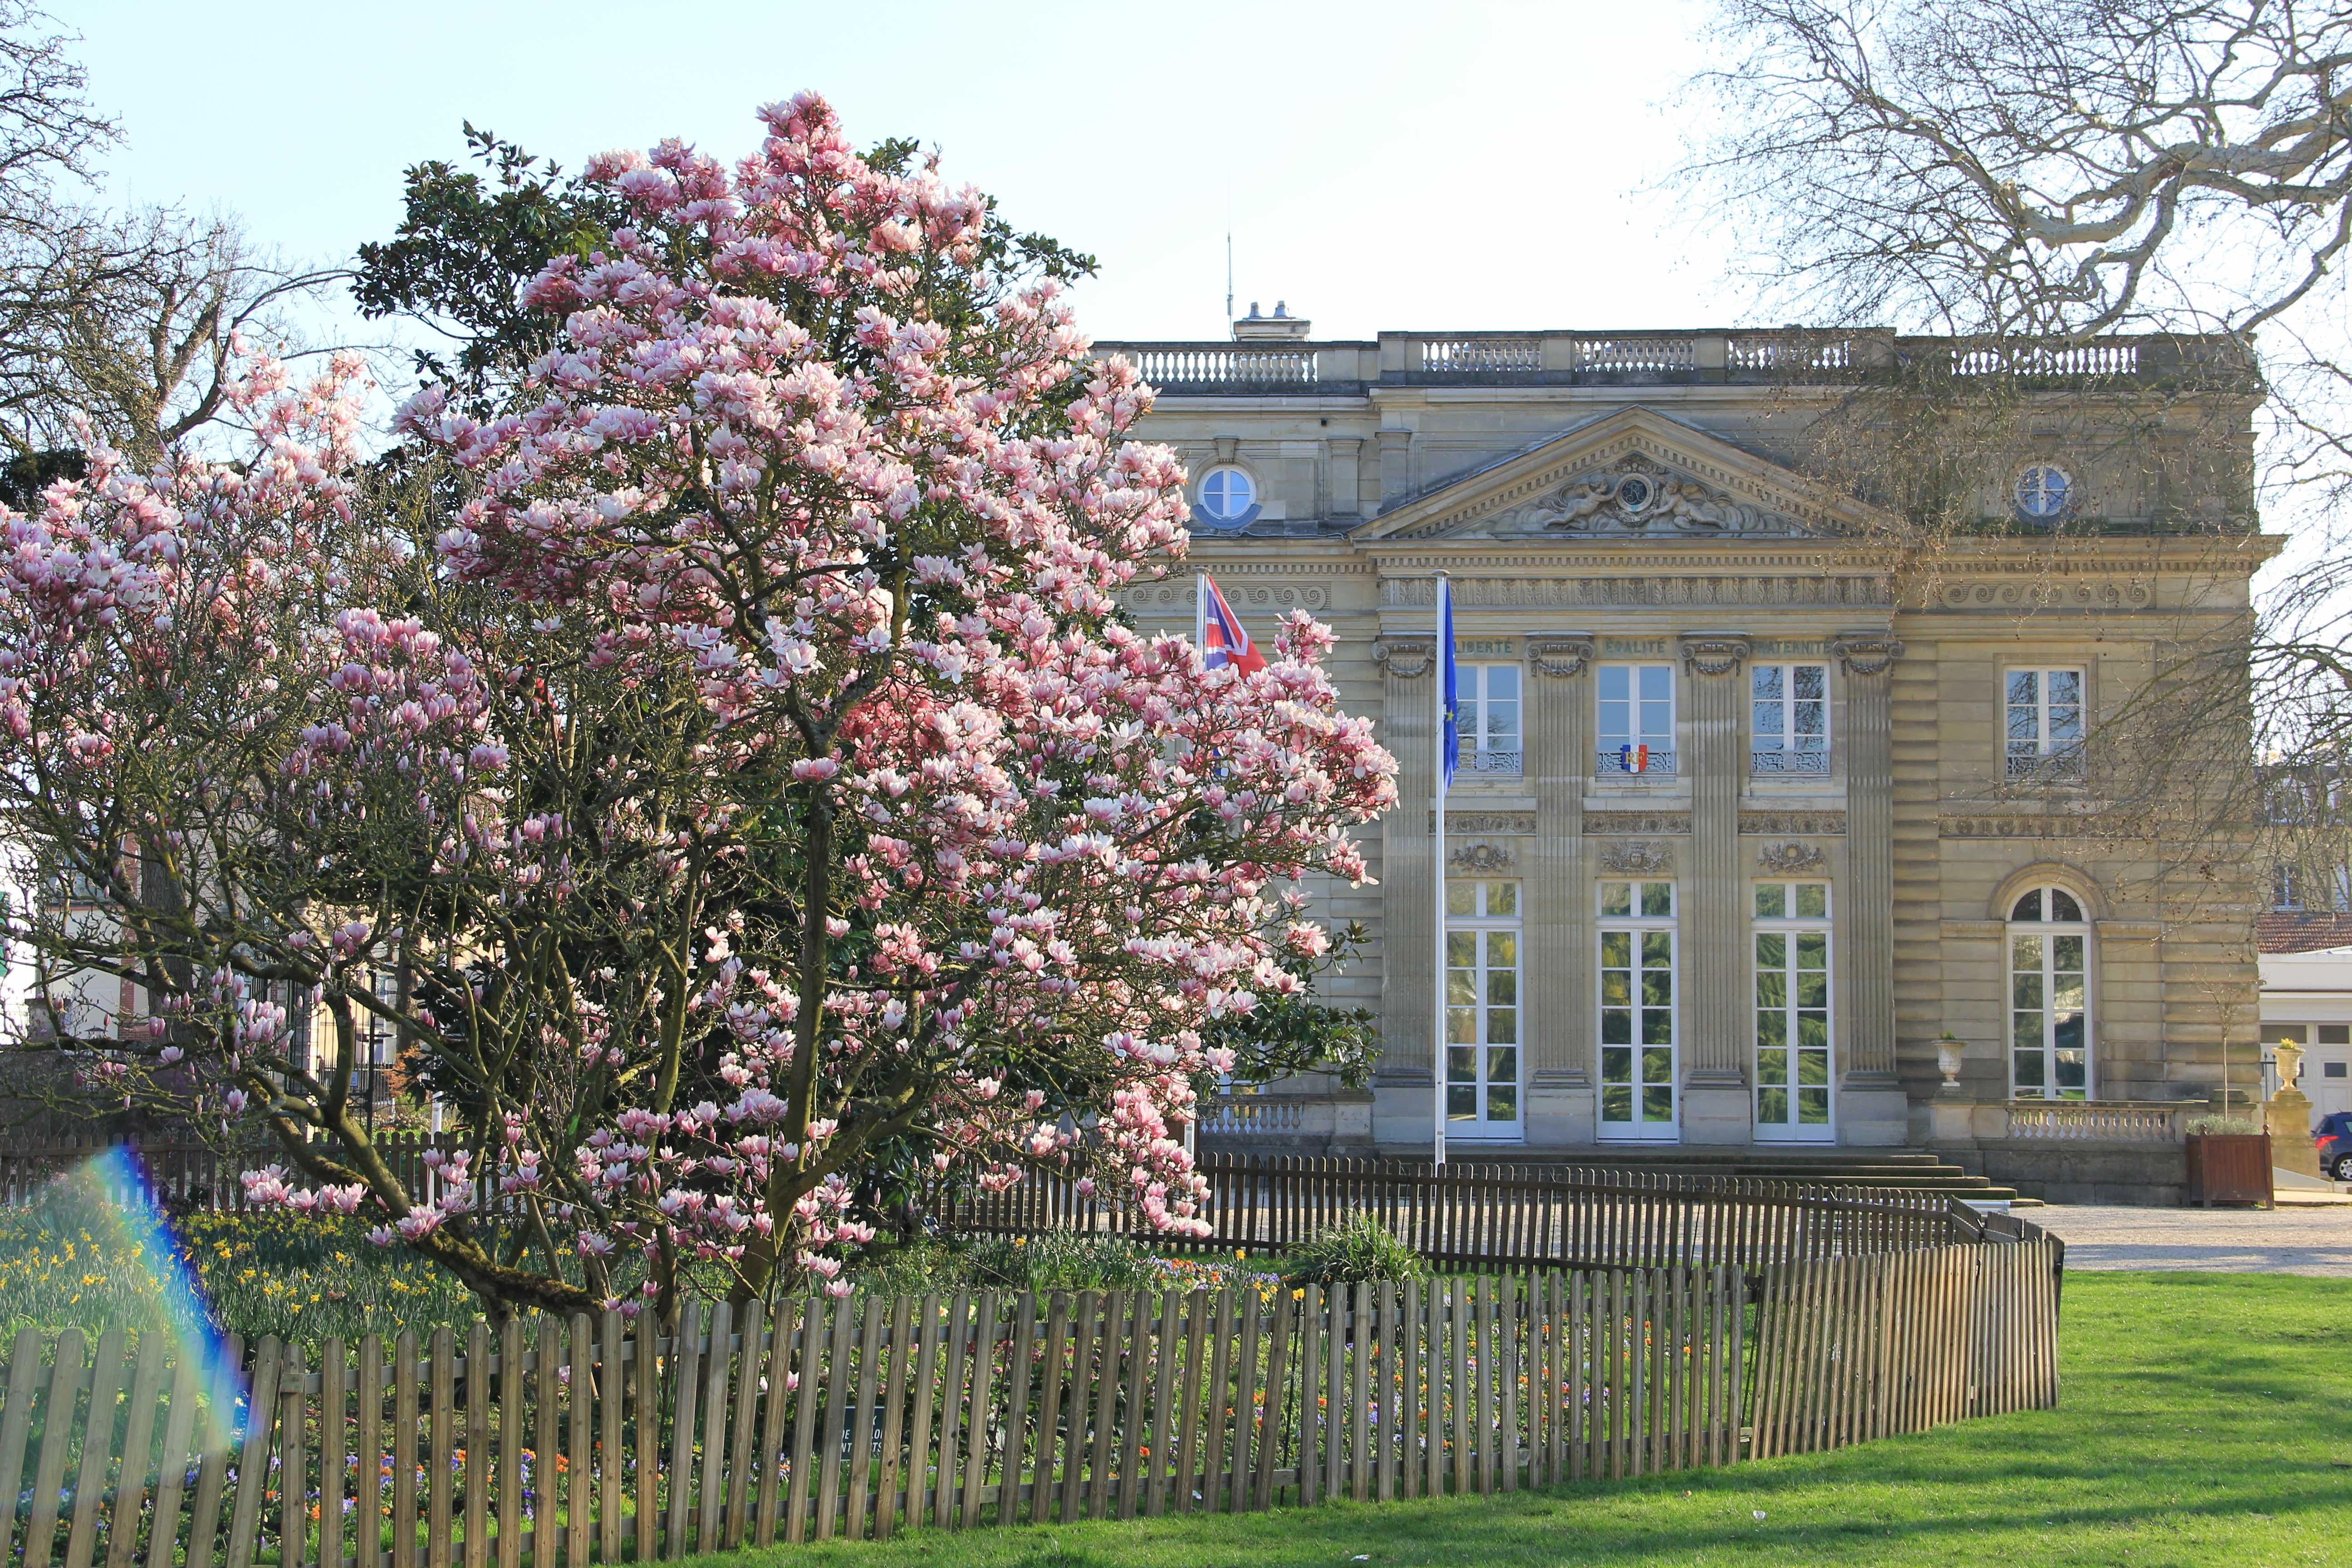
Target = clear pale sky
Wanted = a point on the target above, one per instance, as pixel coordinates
(1466, 165)
(1472, 165)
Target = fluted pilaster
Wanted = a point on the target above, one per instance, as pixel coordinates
(1869, 892)
(1714, 915)
(1408, 933)
(1559, 897)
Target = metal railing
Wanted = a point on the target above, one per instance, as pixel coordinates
(1473, 761)
(1774, 762)
(1608, 762)
(2046, 767)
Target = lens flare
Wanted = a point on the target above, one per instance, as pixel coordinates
(113, 1190)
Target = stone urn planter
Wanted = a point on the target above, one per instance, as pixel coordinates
(2229, 1168)
(1950, 1053)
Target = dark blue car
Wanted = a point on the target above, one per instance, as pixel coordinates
(2334, 1136)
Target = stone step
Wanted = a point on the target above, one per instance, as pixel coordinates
(1902, 1170)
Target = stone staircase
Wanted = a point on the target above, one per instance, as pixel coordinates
(1913, 1170)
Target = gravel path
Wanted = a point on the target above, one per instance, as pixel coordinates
(2286, 1240)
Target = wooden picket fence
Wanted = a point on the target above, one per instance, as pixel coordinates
(601, 1441)
(1473, 1215)
(186, 1176)
(1504, 1216)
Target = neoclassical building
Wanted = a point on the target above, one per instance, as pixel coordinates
(1769, 828)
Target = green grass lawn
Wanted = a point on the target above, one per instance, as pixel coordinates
(2207, 1421)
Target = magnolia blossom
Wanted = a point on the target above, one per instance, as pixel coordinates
(809, 476)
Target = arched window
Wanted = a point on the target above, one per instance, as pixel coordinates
(2049, 996)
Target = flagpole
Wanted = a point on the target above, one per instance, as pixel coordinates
(1201, 647)
(1437, 653)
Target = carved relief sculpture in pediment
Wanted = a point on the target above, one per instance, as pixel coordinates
(1638, 496)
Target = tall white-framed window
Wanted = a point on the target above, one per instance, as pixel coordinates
(1636, 728)
(1793, 1070)
(1489, 698)
(1638, 1011)
(1789, 719)
(1483, 1012)
(2049, 996)
(379, 1039)
(2041, 718)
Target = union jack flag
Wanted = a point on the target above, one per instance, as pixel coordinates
(1223, 641)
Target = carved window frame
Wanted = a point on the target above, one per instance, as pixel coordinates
(1481, 756)
(1484, 914)
(1781, 911)
(1786, 756)
(2044, 968)
(2054, 759)
(1665, 761)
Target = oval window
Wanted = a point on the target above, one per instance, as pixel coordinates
(1228, 496)
(2043, 491)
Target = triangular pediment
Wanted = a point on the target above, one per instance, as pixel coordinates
(1634, 474)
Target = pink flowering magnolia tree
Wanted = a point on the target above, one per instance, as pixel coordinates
(735, 750)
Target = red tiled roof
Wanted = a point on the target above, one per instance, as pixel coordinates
(2287, 931)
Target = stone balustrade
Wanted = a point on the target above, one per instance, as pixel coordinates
(2099, 1121)
(1570, 358)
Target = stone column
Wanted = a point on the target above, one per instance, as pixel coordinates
(1403, 1109)
(1558, 957)
(1872, 1108)
(1715, 1006)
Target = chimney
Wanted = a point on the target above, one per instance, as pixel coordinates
(1282, 327)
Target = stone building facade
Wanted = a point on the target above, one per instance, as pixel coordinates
(1765, 832)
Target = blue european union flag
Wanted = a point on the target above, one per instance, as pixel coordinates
(1449, 748)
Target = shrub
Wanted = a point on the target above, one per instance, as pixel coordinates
(2239, 1125)
(1357, 1248)
(1050, 1260)
(1062, 1261)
